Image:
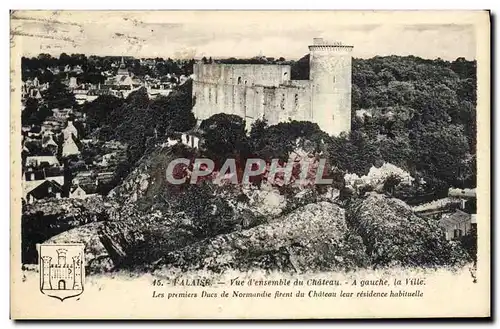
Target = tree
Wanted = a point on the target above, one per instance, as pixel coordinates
(64, 59)
(258, 129)
(93, 77)
(225, 137)
(440, 153)
(28, 115)
(397, 150)
(58, 96)
(468, 118)
(464, 68)
(353, 153)
(174, 112)
(100, 111)
(300, 69)
(356, 98)
(278, 141)
(138, 98)
(400, 92)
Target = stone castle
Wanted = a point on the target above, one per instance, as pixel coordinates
(61, 276)
(256, 91)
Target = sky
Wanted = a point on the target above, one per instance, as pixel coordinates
(180, 34)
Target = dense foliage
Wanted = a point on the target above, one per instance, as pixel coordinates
(137, 118)
(58, 96)
(278, 141)
(225, 137)
(415, 113)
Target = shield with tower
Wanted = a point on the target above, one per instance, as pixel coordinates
(62, 270)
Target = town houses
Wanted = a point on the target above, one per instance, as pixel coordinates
(56, 160)
(52, 138)
(59, 161)
(33, 88)
(121, 84)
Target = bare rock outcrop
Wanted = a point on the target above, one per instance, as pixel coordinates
(395, 236)
(139, 239)
(47, 218)
(312, 238)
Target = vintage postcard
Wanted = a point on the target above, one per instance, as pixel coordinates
(250, 164)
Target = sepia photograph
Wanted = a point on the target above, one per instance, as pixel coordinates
(202, 159)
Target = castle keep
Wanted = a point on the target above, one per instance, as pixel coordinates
(61, 276)
(254, 91)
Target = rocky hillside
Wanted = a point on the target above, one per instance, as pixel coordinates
(204, 226)
(45, 219)
(146, 224)
(312, 238)
(394, 235)
(379, 231)
(146, 187)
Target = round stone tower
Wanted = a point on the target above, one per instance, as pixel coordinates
(330, 76)
(77, 270)
(46, 284)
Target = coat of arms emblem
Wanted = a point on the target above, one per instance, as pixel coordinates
(62, 270)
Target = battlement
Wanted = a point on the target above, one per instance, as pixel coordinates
(61, 252)
(320, 44)
(61, 256)
(61, 265)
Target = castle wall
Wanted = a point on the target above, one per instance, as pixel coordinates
(276, 104)
(254, 91)
(287, 103)
(242, 74)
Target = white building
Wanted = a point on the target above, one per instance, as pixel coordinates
(78, 192)
(36, 161)
(70, 130)
(69, 147)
